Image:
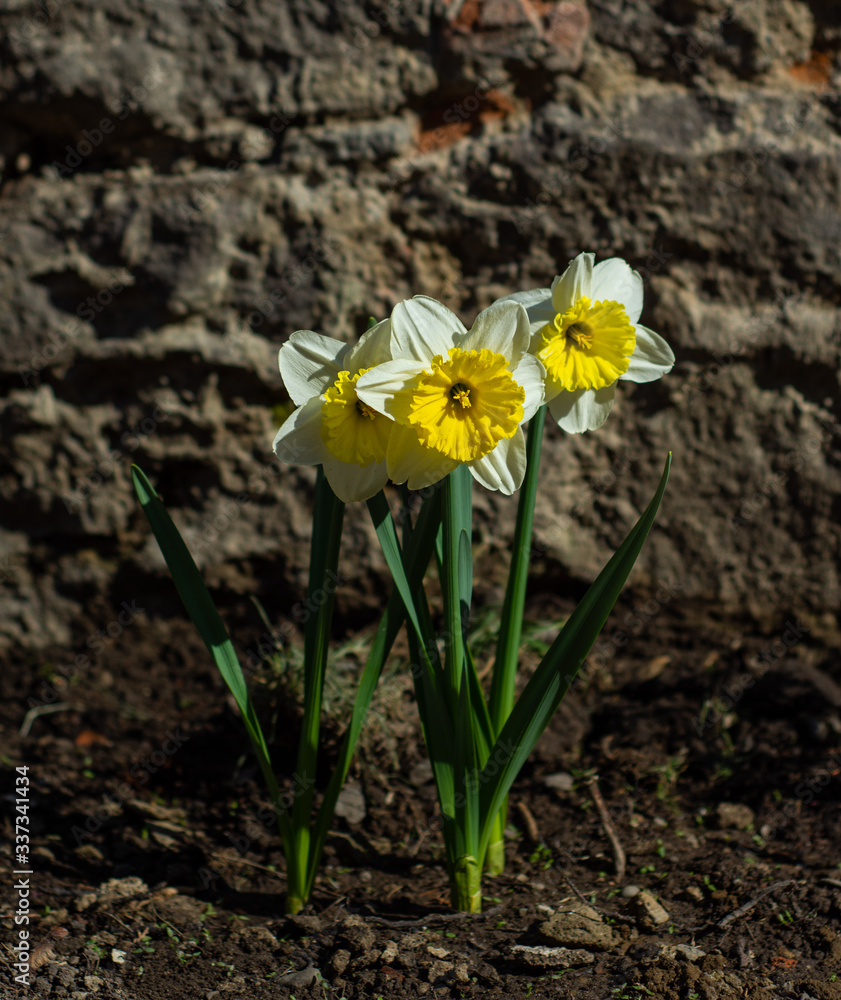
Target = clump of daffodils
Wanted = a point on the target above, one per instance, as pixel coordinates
(420, 395)
(422, 400)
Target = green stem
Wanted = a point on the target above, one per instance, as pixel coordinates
(503, 684)
(324, 559)
(466, 885)
(418, 553)
(455, 586)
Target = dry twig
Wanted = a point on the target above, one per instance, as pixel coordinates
(742, 910)
(531, 825)
(609, 829)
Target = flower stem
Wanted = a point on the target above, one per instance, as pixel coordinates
(466, 885)
(456, 575)
(324, 559)
(504, 681)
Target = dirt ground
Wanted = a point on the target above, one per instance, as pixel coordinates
(716, 755)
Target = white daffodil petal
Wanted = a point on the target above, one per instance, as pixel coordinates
(298, 442)
(309, 363)
(652, 357)
(614, 280)
(582, 410)
(538, 306)
(502, 469)
(422, 327)
(409, 462)
(530, 374)
(353, 482)
(568, 287)
(528, 299)
(502, 328)
(376, 388)
(373, 348)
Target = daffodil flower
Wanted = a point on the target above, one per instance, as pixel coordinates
(585, 331)
(456, 397)
(332, 426)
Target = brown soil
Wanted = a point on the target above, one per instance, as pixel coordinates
(176, 889)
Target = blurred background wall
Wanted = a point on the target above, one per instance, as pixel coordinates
(184, 184)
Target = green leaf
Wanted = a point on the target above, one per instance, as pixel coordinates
(328, 517)
(511, 619)
(418, 554)
(201, 609)
(435, 712)
(551, 681)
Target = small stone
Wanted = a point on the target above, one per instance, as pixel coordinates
(89, 852)
(350, 805)
(355, 934)
(65, 975)
(734, 816)
(305, 977)
(337, 963)
(544, 957)
(694, 893)
(390, 951)
(690, 953)
(113, 890)
(560, 782)
(307, 923)
(630, 891)
(118, 957)
(649, 913)
(579, 926)
(566, 30)
(439, 971)
(256, 938)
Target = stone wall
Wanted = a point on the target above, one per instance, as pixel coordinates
(184, 184)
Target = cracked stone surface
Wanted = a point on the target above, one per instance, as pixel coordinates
(184, 185)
